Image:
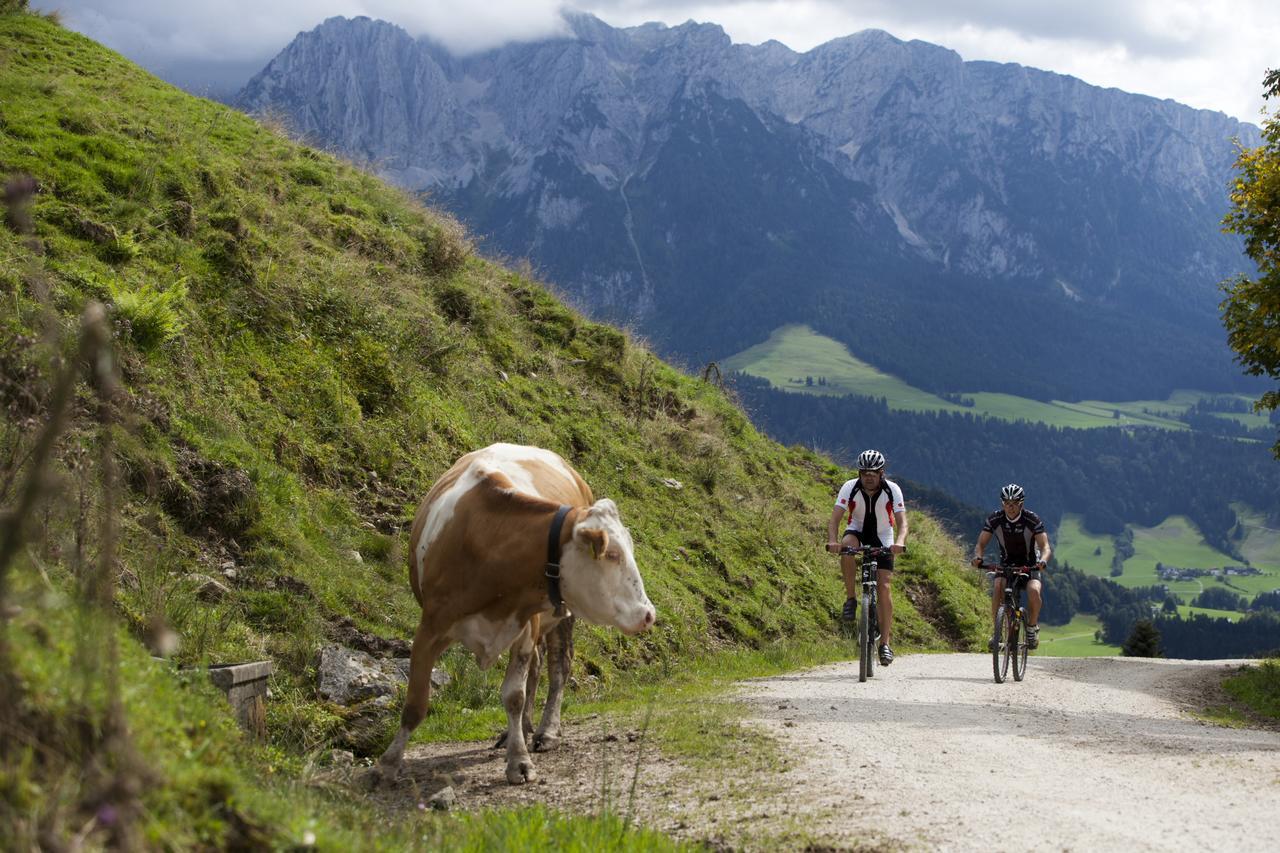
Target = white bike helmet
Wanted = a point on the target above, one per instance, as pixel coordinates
(871, 460)
(1012, 492)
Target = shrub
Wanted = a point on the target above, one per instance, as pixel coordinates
(152, 316)
(445, 247)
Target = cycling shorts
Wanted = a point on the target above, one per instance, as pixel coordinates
(1033, 575)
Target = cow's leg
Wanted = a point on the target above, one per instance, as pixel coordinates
(530, 690)
(559, 663)
(427, 646)
(519, 766)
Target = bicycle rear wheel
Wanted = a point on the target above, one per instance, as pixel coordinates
(864, 639)
(1000, 654)
(1020, 647)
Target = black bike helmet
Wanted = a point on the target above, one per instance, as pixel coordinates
(1012, 492)
(871, 460)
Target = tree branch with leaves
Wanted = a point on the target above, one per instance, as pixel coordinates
(1251, 309)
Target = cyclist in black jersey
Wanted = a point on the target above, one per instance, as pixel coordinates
(1023, 542)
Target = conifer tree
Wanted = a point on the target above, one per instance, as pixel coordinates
(1143, 642)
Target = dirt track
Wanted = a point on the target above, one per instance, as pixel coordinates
(1087, 754)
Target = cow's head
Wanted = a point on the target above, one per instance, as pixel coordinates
(601, 581)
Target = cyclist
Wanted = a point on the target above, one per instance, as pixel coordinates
(1023, 542)
(874, 514)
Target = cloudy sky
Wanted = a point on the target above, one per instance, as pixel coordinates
(1205, 54)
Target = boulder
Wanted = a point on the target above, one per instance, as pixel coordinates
(347, 676)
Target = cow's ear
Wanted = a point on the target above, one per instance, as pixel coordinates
(595, 537)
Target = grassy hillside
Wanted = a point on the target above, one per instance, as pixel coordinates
(301, 350)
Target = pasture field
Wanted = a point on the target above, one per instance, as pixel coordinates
(1074, 639)
(794, 352)
(1177, 542)
(1186, 612)
(1075, 545)
(1261, 542)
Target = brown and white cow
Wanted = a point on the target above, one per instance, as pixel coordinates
(477, 565)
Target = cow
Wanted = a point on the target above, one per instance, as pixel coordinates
(504, 547)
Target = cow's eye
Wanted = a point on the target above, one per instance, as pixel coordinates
(612, 555)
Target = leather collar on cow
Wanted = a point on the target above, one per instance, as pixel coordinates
(553, 562)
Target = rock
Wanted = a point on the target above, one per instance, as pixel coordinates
(340, 758)
(208, 589)
(355, 557)
(439, 678)
(444, 799)
(347, 676)
(672, 483)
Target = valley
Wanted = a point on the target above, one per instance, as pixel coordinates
(810, 367)
(795, 354)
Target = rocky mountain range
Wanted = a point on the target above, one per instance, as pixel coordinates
(965, 225)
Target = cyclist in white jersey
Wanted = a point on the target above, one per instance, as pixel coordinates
(873, 513)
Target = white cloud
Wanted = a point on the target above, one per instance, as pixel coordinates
(1209, 55)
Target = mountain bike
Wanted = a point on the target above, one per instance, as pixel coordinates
(1011, 622)
(869, 612)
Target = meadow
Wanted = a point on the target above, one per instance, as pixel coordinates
(795, 354)
(1074, 639)
(1173, 542)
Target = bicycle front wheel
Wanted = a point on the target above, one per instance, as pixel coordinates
(873, 630)
(1000, 653)
(1020, 646)
(864, 640)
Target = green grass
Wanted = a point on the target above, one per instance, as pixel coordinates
(302, 351)
(1186, 611)
(1261, 542)
(1175, 542)
(1258, 687)
(794, 352)
(1085, 551)
(1075, 639)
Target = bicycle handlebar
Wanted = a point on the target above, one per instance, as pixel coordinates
(869, 550)
(994, 569)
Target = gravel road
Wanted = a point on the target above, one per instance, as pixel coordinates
(1086, 754)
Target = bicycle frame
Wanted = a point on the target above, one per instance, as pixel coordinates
(869, 617)
(1010, 631)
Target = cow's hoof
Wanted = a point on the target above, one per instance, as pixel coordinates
(545, 742)
(382, 775)
(521, 771)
